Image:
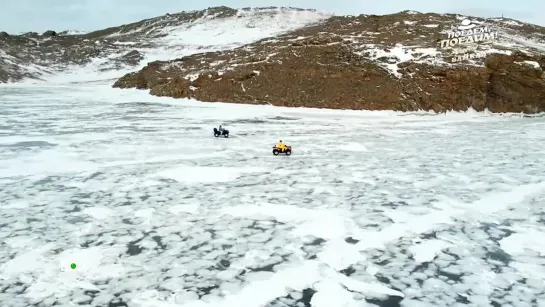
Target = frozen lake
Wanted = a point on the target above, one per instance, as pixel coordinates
(372, 207)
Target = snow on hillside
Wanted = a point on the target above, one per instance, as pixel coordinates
(159, 41)
(73, 32)
(506, 42)
(387, 44)
(174, 36)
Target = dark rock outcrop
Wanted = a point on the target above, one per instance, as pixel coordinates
(31, 34)
(132, 58)
(49, 33)
(515, 86)
(54, 52)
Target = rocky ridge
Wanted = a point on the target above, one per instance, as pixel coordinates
(317, 60)
(128, 47)
(365, 62)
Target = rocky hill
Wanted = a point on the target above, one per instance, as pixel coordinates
(117, 50)
(291, 57)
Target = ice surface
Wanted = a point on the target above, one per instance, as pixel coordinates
(353, 147)
(410, 209)
(191, 174)
(426, 251)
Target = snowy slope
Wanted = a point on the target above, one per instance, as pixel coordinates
(74, 57)
(163, 38)
(388, 41)
(155, 211)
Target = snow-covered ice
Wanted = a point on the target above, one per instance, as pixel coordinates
(382, 208)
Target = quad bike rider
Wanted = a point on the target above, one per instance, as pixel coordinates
(281, 148)
(221, 131)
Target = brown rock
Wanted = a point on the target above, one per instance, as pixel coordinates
(516, 88)
(175, 87)
(320, 66)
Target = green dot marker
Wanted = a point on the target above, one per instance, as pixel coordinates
(73, 266)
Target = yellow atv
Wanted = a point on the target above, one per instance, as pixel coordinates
(286, 150)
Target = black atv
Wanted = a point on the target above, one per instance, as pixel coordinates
(224, 132)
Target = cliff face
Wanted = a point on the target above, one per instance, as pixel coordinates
(504, 85)
(366, 62)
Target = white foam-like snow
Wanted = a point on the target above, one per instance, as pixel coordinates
(330, 293)
(309, 273)
(529, 239)
(427, 250)
(99, 213)
(339, 255)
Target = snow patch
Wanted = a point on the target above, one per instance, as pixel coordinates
(99, 213)
(529, 239)
(427, 250)
(513, 23)
(400, 54)
(533, 64)
(186, 208)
